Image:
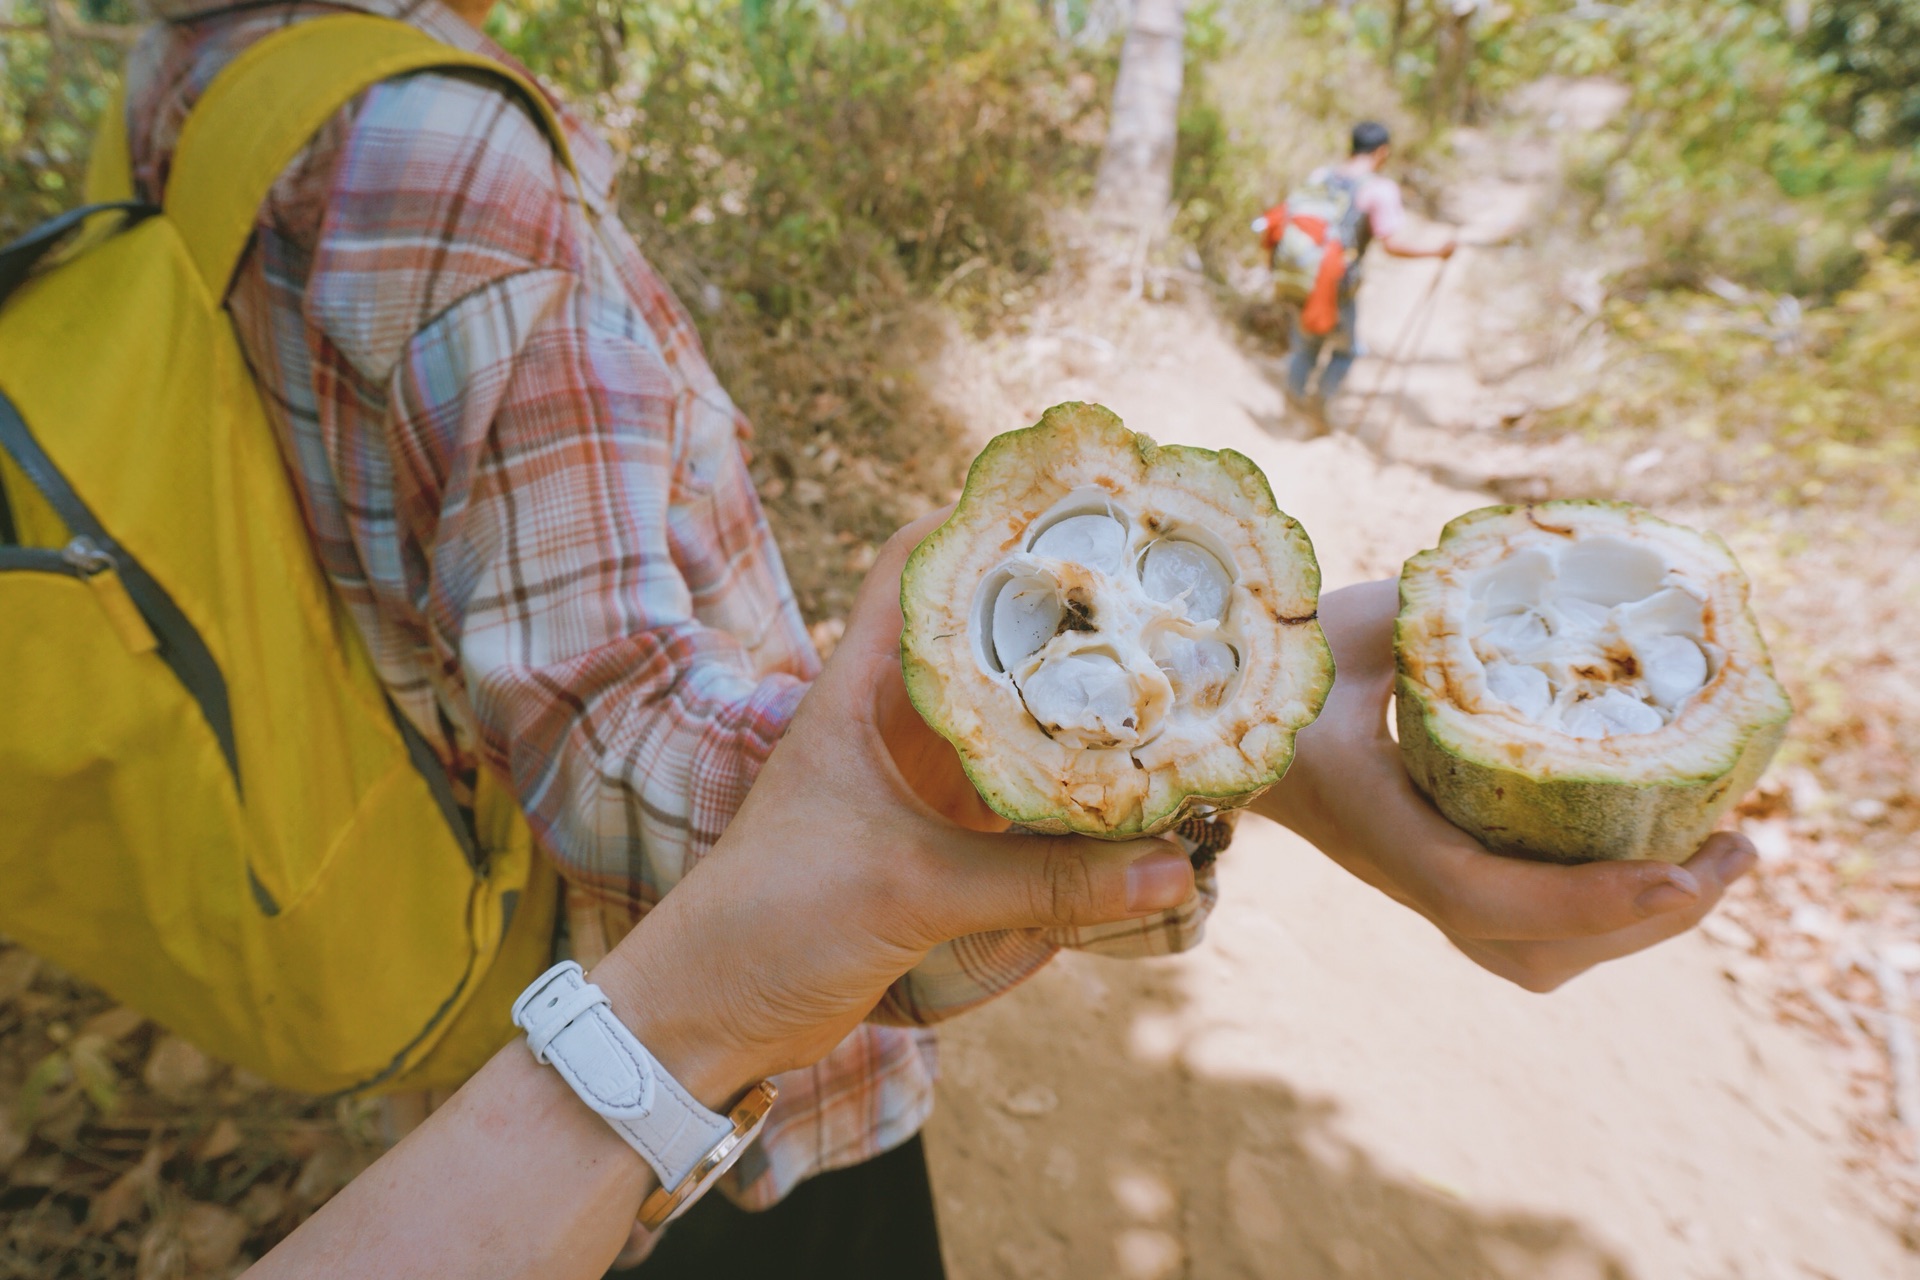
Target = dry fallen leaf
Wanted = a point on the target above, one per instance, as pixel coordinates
(163, 1254)
(126, 1195)
(1034, 1100)
(176, 1069)
(212, 1236)
(222, 1140)
(324, 1173)
(244, 1081)
(13, 1138)
(93, 1069)
(17, 969)
(38, 1171)
(114, 1025)
(263, 1203)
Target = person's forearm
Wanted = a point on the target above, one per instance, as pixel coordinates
(1402, 250)
(514, 1177)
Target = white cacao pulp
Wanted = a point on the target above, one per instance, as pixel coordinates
(1597, 639)
(1106, 627)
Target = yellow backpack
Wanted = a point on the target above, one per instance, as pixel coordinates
(208, 806)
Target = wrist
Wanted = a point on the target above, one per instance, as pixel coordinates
(1290, 800)
(675, 1031)
(1298, 801)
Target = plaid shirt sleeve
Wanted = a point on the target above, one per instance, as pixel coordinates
(537, 511)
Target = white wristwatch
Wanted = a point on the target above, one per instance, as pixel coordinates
(571, 1028)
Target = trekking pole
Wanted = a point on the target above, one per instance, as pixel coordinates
(1421, 313)
(1428, 308)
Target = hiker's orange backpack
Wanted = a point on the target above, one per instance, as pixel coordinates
(208, 806)
(1310, 236)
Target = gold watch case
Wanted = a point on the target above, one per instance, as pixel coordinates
(748, 1116)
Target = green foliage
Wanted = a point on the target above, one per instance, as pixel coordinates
(1745, 150)
(57, 70)
(810, 175)
(1725, 158)
(1870, 49)
(1820, 401)
(812, 155)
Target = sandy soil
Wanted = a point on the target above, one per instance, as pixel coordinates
(1324, 1088)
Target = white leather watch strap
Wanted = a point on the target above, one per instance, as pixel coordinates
(570, 1027)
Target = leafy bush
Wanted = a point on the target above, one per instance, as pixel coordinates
(57, 70)
(1746, 149)
(1815, 405)
(814, 155)
(1871, 50)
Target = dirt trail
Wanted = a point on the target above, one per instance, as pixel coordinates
(1325, 1088)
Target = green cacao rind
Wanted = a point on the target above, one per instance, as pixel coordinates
(1026, 449)
(1573, 819)
(1565, 816)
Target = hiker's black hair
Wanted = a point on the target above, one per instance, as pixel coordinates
(1369, 136)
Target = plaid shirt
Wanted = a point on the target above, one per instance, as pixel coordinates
(525, 483)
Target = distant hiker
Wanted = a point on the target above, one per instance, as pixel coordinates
(1347, 205)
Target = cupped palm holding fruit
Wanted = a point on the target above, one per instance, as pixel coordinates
(1113, 634)
(1582, 680)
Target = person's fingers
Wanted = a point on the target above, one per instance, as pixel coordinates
(868, 652)
(1544, 965)
(873, 624)
(870, 687)
(1358, 622)
(927, 762)
(1476, 894)
(1022, 882)
(1723, 859)
(1470, 892)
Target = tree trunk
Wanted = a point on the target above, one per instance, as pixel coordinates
(1399, 37)
(1135, 182)
(1452, 60)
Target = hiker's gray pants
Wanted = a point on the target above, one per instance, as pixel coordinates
(1342, 344)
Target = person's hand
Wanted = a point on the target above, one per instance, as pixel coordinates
(860, 847)
(1535, 923)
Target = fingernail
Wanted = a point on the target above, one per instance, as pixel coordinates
(1735, 860)
(1158, 881)
(1674, 890)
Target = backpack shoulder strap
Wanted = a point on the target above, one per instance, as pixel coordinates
(1346, 191)
(1343, 186)
(109, 164)
(268, 103)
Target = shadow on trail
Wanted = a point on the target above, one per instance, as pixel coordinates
(1112, 1155)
